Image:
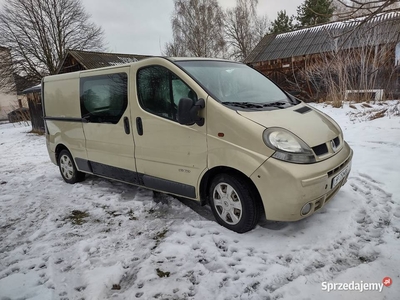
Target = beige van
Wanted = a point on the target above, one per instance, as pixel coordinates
(210, 130)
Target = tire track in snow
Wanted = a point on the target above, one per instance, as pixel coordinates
(225, 264)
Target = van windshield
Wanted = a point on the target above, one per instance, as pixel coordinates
(236, 84)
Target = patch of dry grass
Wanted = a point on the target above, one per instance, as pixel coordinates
(378, 115)
(78, 217)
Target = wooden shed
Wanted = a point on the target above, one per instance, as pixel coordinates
(354, 56)
(34, 99)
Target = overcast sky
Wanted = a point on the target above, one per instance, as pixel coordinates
(144, 26)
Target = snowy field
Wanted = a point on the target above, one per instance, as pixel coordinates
(106, 240)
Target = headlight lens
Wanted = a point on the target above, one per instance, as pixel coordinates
(287, 146)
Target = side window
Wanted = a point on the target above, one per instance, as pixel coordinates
(104, 98)
(159, 91)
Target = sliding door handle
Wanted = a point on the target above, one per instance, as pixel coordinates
(126, 125)
(139, 126)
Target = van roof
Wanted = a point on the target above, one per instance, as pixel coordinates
(172, 59)
(194, 58)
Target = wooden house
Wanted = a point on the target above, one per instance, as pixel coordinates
(76, 60)
(346, 58)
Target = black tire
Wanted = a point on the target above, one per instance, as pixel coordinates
(234, 203)
(68, 169)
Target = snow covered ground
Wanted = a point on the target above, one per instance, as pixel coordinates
(105, 240)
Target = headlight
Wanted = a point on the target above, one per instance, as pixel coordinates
(287, 146)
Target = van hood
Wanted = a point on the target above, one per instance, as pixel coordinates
(307, 123)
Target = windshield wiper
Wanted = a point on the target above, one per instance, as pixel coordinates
(278, 104)
(243, 104)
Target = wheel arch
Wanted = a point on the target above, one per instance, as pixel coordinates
(210, 174)
(58, 150)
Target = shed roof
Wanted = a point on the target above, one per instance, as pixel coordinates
(380, 29)
(33, 89)
(93, 60)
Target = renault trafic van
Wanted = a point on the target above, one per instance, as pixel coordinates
(210, 130)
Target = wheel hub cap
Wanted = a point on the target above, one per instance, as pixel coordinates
(66, 167)
(227, 203)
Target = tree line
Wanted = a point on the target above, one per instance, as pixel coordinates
(39, 32)
(203, 28)
(314, 12)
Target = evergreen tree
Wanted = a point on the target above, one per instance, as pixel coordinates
(282, 23)
(313, 12)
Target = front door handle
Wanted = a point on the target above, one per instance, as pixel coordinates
(126, 125)
(139, 126)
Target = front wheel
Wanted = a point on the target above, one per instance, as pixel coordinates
(234, 204)
(68, 170)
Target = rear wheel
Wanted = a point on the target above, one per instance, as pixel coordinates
(233, 203)
(68, 169)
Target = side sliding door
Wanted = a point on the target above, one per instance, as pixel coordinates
(109, 139)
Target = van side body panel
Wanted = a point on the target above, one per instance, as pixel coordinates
(61, 94)
(241, 147)
(63, 116)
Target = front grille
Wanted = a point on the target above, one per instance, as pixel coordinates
(323, 149)
(320, 149)
(319, 203)
(336, 141)
(337, 169)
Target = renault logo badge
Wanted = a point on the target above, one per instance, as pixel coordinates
(334, 148)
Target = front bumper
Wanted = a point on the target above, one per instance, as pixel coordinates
(285, 187)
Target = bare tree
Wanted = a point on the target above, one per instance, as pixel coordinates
(39, 32)
(261, 27)
(198, 29)
(346, 9)
(175, 48)
(243, 28)
(8, 93)
(6, 75)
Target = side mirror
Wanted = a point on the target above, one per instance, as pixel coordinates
(188, 110)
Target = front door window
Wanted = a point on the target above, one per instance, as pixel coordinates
(159, 91)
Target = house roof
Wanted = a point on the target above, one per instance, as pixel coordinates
(22, 83)
(33, 89)
(355, 33)
(93, 60)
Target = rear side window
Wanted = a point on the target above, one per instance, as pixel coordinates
(104, 98)
(159, 91)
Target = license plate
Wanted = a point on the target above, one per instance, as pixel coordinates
(342, 174)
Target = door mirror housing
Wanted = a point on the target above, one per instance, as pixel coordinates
(188, 111)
